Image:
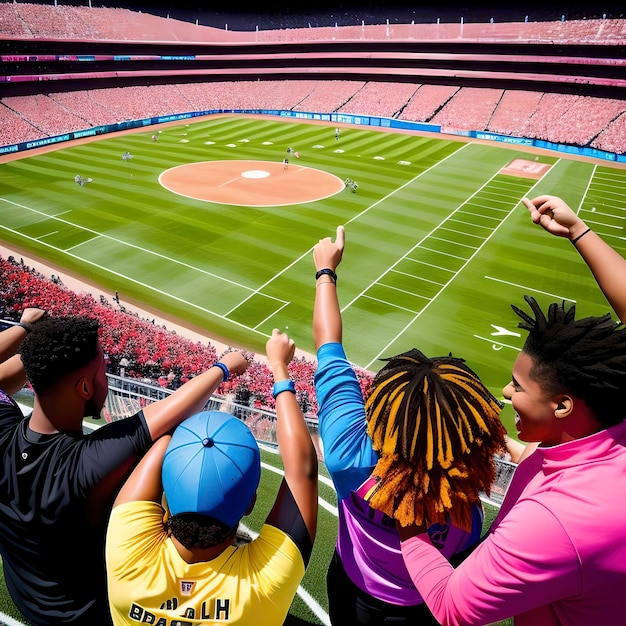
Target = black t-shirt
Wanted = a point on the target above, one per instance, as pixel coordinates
(53, 556)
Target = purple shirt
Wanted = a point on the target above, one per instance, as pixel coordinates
(367, 541)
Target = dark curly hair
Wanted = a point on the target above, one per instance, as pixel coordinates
(57, 346)
(197, 531)
(436, 428)
(585, 358)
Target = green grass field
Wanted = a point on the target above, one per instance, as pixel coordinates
(438, 244)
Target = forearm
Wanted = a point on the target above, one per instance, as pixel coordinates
(12, 375)
(608, 268)
(187, 400)
(297, 452)
(145, 481)
(327, 326)
(10, 340)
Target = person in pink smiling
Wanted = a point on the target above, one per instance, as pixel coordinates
(555, 553)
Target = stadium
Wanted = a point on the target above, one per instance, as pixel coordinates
(169, 171)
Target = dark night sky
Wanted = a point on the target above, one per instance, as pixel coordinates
(290, 13)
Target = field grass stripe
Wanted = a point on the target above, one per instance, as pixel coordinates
(466, 261)
(352, 219)
(272, 314)
(586, 192)
(395, 306)
(119, 241)
(137, 282)
(426, 280)
(454, 243)
(525, 288)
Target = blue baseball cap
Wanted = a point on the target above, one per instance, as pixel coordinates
(212, 466)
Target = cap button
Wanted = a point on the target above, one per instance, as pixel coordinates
(208, 442)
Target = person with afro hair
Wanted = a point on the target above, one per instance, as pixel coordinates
(418, 450)
(57, 484)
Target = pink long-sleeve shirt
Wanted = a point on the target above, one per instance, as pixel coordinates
(555, 554)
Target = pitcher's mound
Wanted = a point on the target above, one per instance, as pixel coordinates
(250, 183)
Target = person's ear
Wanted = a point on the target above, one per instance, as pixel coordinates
(84, 388)
(564, 407)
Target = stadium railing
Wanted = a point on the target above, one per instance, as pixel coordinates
(127, 395)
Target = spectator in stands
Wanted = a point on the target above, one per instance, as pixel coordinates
(12, 377)
(57, 485)
(555, 553)
(185, 565)
(420, 449)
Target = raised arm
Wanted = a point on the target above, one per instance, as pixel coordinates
(327, 255)
(144, 483)
(11, 338)
(12, 375)
(606, 264)
(297, 497)
(166, 414)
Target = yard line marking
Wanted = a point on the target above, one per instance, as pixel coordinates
(417, 277)
(588, 221)
(395, 306)
(460, 232)
(410, 293)
(454, 256)
(285, 303)
(437, 267)
(314, 605)
(363, 212)
(82, 242)
(124, 243)
(9, 621)
(138, 282)
(472, 224)
(524, 288)
(586, 192)
(610, 235)
(453, 243)
(487, 217)
(616, 217)
(466, 261)
(54, 232)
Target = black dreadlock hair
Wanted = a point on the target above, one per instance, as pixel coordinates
(436, 428)
(57, 346)
(585, 358)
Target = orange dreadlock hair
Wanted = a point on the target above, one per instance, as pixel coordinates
(436, 428)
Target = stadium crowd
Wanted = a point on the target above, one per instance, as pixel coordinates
(147, 351)
(69, 22)
(560, 118)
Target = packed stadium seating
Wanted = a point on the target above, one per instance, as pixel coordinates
(154, 354)
(567, 117)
